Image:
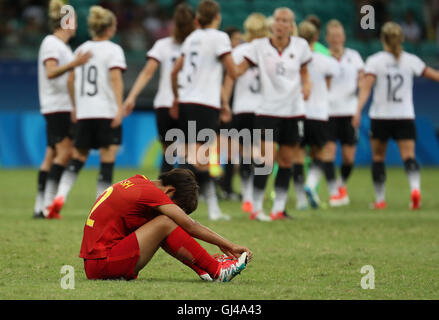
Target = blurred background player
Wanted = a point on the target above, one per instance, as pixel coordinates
(282, 62)
(246, 99)
(158, 214)
(321, 69)
(163, 54)
(391, 73)
(96, 90)
(55, 60)
(317, 46)
(204, 54)
(342, 104)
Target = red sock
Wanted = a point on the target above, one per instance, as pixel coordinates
(196, 254)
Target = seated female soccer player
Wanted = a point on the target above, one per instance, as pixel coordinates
(134, 217)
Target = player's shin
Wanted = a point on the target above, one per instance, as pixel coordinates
(281, 186)
(52, 183)
(105, 178)
(183, 247)
(379, 180)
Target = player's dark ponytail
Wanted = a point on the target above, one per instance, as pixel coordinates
(183, 22)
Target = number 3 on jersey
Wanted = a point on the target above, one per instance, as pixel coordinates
(104, 196)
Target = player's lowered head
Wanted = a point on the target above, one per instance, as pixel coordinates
(181, 187)
(58, 17)
(102, 23)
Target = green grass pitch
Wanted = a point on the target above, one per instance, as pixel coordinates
(316, 255)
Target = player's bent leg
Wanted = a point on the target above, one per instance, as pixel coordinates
(41, 182)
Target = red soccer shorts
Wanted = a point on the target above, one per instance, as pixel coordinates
(119, 263)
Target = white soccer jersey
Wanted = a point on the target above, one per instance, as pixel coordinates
(202, 73)
(393, 93)
(165, 51)
(320, 68)
(247, 95)
(53, 93)
(93, 91)
(280, 76)
(343, 93)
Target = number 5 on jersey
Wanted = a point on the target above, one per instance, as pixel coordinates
(104, 196)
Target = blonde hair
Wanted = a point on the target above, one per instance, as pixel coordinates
(99, 20)
(256, 26)
(293, 19)
(308, 31)
(392, 36)
(333, 23)
(55, 15)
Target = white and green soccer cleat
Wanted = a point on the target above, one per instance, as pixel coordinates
(231, 268)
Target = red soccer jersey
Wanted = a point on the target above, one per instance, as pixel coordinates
(119, 211)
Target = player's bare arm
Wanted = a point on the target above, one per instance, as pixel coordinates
(71, 90)
(201, 232)
(363, 95)
(173, 111)
(306, 81)
(53, 70)
(431, 74)
(117, 86)
(142, 81)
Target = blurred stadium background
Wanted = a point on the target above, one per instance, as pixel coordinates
(23, 25)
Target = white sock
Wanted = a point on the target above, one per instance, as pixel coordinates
(280, 200)
(258, 199)
(247, 189)
(211, 199)
(380, 191)
(313, 178)
(66, 183)
(414, 178)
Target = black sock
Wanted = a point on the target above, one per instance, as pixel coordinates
(75, 165)
(245, 170)
(42, 178)
(297, 172)
(260, 180)
(378, 172)
(229, 169)
(411, 165)
(55, 172)
(345, 171)
(106, 172)
(283, 178)
(329, 170)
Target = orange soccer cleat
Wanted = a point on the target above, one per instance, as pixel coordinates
(247, 207)
(379, 205)
(55, 208)
(230, 268)
(415, 202)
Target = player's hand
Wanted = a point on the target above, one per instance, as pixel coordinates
(73, 116)
(226, 113)
(236, 252)
(117, 121)
(82, 58)
(173, 111)
(306, 90)
(356, 120)
(129, 105)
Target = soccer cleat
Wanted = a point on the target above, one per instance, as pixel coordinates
(313, 197)
(260, 216)
(247, 207)
(379, 205)
(55, 208)
(231, 268)
(415, 202)
(205, 277)
(338, 200)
